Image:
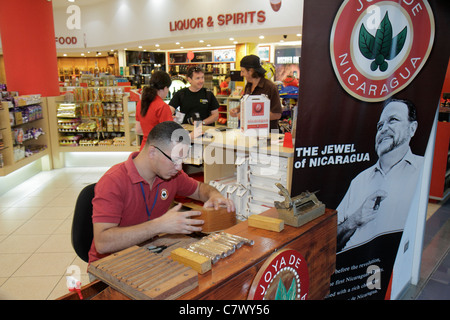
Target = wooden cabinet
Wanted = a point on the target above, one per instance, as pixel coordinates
(24, 130)
(226, 104)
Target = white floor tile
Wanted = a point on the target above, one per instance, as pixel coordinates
(35, 228)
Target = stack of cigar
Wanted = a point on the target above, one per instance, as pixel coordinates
(219, 245)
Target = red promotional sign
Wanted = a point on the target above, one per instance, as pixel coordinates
(379, 47)
(237, 18)
(372, 75)
(284, 276)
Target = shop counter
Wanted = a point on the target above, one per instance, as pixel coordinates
(234, 277)
(252, 164)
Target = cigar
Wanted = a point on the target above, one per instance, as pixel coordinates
(376, 206)
(229, 242)
(213, 258)
(209, 250)
(224, 247)
(215, 248)
(245, 240)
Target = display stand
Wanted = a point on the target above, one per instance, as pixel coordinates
(57, 133)
(231, 278)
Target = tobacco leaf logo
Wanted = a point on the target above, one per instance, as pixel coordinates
(382, 46)
(282, 294)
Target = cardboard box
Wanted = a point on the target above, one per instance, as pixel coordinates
(255, 115)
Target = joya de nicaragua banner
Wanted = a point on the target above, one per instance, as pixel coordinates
(371, 78)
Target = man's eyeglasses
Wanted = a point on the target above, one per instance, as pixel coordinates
(175, 162)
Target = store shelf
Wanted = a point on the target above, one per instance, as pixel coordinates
(98, 149)
(23, 162)
(59, 151)
(10, 164)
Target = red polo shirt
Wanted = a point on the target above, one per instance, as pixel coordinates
(119, 198)
(157, 112)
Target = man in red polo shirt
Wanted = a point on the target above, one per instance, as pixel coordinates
(132, 199)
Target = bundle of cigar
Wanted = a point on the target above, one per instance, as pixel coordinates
(219, 245)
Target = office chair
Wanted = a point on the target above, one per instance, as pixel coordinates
(82, 228)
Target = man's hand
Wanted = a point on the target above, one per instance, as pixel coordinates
(217, 201)
(369, 208)
(211, 197)
(174, 221)
(366, 213)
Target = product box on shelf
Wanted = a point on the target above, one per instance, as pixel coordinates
(255, 115)
(20, 101)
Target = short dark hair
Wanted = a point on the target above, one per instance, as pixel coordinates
(412, 112)
(193, 69)
(166, 132)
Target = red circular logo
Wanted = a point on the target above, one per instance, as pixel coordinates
(377, 48)
(284, 276)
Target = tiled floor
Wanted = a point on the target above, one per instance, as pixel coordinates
(35, 225)
(36, 252)
(434, 281)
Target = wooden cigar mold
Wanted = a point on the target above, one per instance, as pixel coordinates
(214, 220)
(141, 274)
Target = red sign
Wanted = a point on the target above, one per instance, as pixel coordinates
(379, 47)
(237, 18)
(66, 40)
(284, 276)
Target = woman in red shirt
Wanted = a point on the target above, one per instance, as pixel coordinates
(152, 109)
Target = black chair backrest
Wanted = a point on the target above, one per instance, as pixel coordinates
(82, 228)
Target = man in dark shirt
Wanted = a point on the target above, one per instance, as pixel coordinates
(253, 73)
(196, 102)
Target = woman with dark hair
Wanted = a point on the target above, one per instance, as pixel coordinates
(152, 109)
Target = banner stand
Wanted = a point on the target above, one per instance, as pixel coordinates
(418, 209)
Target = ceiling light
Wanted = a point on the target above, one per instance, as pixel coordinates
(299, 34)
(201, 41)
(65, 55)
(231, 39)
(177, 43)
(235, 42)
(82, 54)
(124, 48)
(140, 47)
(156, 45)
(208, 45)
(261, 37)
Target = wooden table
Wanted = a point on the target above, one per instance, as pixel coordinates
(231, 278)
